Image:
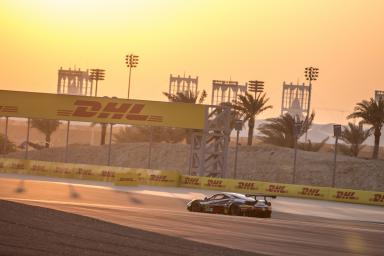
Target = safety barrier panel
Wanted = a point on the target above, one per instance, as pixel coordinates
(158, 178)
(133, 176)
(126, 179)
(215, 183)
(246, 186)
(191, 181)
(376, 198)
(310, 192)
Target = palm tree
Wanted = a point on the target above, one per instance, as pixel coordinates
(371, 112)
(354, 136)
(249, 107)
(280, 131)
(187, 97)
(47, 127)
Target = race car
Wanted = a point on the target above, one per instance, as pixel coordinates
(255, 205)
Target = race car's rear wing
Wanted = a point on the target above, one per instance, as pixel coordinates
(261, 195)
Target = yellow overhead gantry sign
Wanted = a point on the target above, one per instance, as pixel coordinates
(101, 109)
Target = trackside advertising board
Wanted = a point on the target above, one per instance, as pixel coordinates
(305, 191)
(246, 186)
(376, 198)
(158, 178)
(132, 176)
(126, 179)
(215, 183)
(9, 165)
(191, 181)
(101, 110)
(348, 195)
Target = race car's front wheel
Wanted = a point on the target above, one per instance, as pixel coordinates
(195, 207)
(235, 210)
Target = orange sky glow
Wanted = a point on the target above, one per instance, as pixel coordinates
(272, 41)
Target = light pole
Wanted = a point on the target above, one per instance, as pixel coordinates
(311, 74)
(96, 75)
(337, 134)
(131, 61)
(238, 127)
(256, 86)
(296, 131)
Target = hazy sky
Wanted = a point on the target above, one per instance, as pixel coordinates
(267, 40)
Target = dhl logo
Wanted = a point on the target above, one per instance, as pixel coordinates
(82, 171)
(346, 195)
(127, 179)
(113, 110)
(246, 185)
(192, 181)
(17, 166)
(215, 183)
(310, 192)
(8, 109)
(158, 178)
(276, 189)
(38, 168)
(63, 170)
(377, 198)
(108, 174)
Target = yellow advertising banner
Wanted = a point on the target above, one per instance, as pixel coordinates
(376, 198)
(191, 181)
(10, 165)
(126, 179)
(311, 192)
(276, 189)
(40, 168)
(246, 186)
(101, 109)
(216, 183)
(157, 177)
(348, 195)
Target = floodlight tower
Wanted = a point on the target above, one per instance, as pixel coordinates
(96, 75)
(131, 61)
(311, 74)
(256, 86)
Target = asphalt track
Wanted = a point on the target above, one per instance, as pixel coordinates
(353, 230)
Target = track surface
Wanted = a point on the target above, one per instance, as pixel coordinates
(288, 234)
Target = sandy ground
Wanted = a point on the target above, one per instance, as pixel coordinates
(259, 162)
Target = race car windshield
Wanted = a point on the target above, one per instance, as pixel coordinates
(241, 196)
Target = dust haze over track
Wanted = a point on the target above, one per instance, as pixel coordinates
(284, 233)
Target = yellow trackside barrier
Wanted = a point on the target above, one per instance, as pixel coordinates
(191, 181)
(376, 198)
(126, 179)
(40, 168)
(62, 170)
(158, 178)
(311, 192)
(348, 195)
(278, 189)
(10, 165)
(130, 177)
(215, 183)
(246, 186)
